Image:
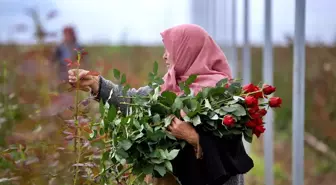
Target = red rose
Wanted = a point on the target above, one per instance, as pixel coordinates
(258, 121)
(255, 115)
(251, 124)
(228, 120)
(275, 102)
(258, 94)
(258, 130)
(262, 112)
(248, 88)
(268, 89)
(253, 110)
(251, 101)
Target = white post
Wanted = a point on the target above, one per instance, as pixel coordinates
(299, 93)
(268, 79)
(246, 54)
(234, 58)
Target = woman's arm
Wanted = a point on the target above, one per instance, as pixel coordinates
(107, 90)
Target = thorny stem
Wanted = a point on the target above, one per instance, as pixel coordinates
(78, 131)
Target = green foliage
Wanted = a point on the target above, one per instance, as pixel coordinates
(138, 138)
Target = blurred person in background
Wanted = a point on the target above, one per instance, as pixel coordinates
(206, 159)
(66, 50)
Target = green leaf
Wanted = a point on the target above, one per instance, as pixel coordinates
(156, 136)
(192, 107)
(196, 120)
(240, 111)
(235, 88)
(122, 154)
(105, 156)
(207, 104)
(171, 137)
(163, 154)
(156, 93)
(248, 135)
(112, 112)
(221, 112)
(222, 82)
(168, 97)
(160, 169)
(169, 166)
(187, 119)
(168, 120)
(151, 77)
(101, 107)
(125, 144)
(148, 127)
(205, 92)
(158, 81)
(138, 136)
(147, 169)
(190, 80)
(232, 102)
(137, 125)
(177, 105)
(157, 161)
(236, 131)
(125, 89)
(214, 117)
(156, 118)
(123, 79)
(172, 154)
(230, 108)
(184, 88)
(155, 68)
(116, 74)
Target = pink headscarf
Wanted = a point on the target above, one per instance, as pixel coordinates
(193, 51)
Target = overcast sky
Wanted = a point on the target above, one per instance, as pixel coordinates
(143, 20)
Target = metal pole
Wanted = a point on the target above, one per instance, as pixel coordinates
(214, 18)
(234, 61)
(268, 79)
(210, 17)
(246, 54)
(299, 93)
(206, 15)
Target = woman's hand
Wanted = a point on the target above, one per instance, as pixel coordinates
(185, 131)
(85, 81)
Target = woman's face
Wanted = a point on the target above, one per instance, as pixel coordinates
(167, 59)
(68, 37)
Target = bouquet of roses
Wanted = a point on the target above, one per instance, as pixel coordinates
(139, 139)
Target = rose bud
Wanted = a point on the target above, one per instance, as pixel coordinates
(268, 89)
(258, 121)
(253, 110)
(258, 130)
(248, 88)
(258, 94)
(251, 101)
(255, 115)
(275, 102)
(262, 112)
(228, 120)
(251, 124)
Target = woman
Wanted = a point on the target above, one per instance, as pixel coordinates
(65, 50)
(188, 50)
